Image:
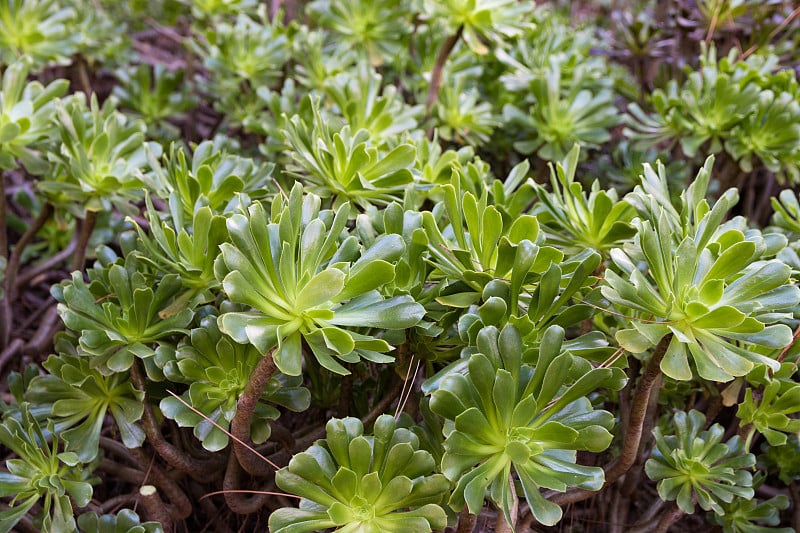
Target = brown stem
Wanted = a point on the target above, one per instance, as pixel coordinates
(281, 435)
(345, 395)
(245, 407)
(120, 450)
(48, 264)
(154, 508)
(633, 433)
(3, 217)
(206, 506)
(633, 476)
(115, 503)
(238, 502)
(180, 506)
(620, 506)
(43, 337)
(438, 69)
(13, 267)
(10, 352)
(134, 476)
(668, 517)
(87, 227)
(202, 471)
(466, 521)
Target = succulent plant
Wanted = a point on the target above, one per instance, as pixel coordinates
(79, 398)
(481, 22)
(40, 29)
(563, 116)
(379, 29)
(39, 473)
(574, 220)
(101, 154)
(707, 286)
(27, 112)
(346, 164)
(116, 316)
(695, 465)
(308, 286)
(518, 409)
(355, 482)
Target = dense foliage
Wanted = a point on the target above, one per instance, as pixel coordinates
(372, 266)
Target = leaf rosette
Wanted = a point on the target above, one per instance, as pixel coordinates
(116, 315)
(79, 398)
(695, 465)
(503, 414)
(40, 474)
(362, 484)
(308, 282)
(706, 282)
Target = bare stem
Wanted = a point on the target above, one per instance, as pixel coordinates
(794, 492)
(43, 337)
(27, 275)
(87, 227)
(202, 471)
(345, 395)
(438, 69)
(154, 508)
(466, 521)
(3, 217)
(668, 517)
(633, 433)
(9, 353)
(12, 268)
(245, 407)
(239, 502)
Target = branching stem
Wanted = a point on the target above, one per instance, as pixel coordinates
(200, 470)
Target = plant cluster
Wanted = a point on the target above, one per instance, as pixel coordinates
(384, 266)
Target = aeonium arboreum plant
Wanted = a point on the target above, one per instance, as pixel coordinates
(695, 466)
(707, 284)
(309, 283)
(39, 473)
(217, 370)
(514, 410)
(347, 164)
(116, 315)
(770, 406)
(101, 153)
(26, 111)
(172, 248)
(574, 220)
(80, 397)
(211, 177)
(359, 483)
